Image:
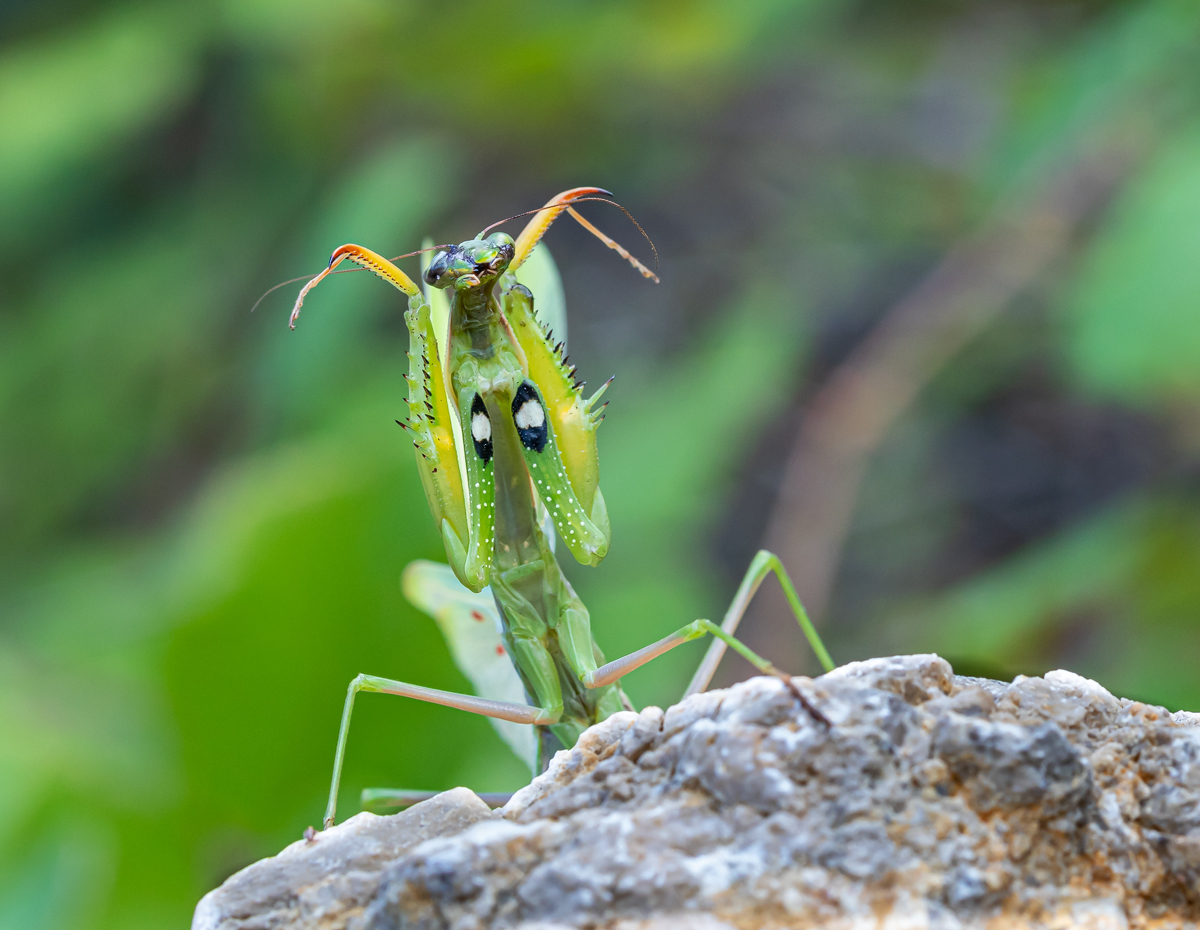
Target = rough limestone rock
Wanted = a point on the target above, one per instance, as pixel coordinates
(905, 798)
(327, 880)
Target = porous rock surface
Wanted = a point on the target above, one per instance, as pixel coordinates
(910, 798)
(326, 880)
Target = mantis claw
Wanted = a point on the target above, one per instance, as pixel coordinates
(791, 685)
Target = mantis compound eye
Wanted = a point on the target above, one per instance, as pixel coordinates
(438, 268)
(529, 418)
(503, 244)
(481, 429)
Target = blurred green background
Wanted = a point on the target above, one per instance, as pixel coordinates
(986, 213)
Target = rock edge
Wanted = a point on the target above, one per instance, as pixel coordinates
(933, 800)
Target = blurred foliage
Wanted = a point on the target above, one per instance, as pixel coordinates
(1133, 308)
(205, 516)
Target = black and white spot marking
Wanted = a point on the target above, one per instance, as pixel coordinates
(530, 418)
(481, 429)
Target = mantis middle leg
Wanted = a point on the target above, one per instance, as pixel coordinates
(502, 710)
(574, 635)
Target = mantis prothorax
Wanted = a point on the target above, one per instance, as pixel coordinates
(506, 450)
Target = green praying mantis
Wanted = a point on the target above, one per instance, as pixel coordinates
(506, 450)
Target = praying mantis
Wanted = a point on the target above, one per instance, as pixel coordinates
(506, 451)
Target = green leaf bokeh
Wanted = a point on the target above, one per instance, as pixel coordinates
(204, 516)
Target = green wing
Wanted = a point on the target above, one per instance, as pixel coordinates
(471, 626)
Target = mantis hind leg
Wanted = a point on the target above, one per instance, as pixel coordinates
(762, 563)
(723, 637)
(503, 710)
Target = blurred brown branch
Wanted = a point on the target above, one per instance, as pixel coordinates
(853, 411)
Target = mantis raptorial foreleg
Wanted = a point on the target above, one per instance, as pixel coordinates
(501, 710)
(554, 208)
(532, 234)
(364, 258)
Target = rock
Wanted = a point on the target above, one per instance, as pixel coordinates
(910, 797)
(326, 880)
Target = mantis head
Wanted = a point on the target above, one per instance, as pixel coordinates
(472, 263)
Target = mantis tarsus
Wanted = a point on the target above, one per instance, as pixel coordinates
(506, 450)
